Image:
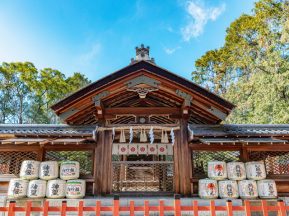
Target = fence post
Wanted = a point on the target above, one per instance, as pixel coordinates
(28, 208)
(11, 208)
(161, 208)
(63, 208)
(229, 208)
(146, 208)
(195, 207)
(282, 210)
(45, 208)
(247, 208)
(177, 205)
(131, 208)
(80, 208)
(116, 205)
(97, 208)
(264, 207)
(212, 208)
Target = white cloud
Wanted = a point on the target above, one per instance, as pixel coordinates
(199, 16)
(170, 51)
(90, 55)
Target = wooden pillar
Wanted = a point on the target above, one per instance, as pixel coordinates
(103, 164)
(182, 160)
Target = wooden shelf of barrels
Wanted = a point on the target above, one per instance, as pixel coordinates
(231, 180)
(48, 179)
(237, 179)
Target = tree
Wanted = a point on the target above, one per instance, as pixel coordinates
(27, 93)
(252, 68)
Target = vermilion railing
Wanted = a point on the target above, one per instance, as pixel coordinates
(177, 208)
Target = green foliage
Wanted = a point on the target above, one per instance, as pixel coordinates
(252, 68)
(27, 93)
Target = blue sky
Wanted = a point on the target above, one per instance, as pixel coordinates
(98, 37)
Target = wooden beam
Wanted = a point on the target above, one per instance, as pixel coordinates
(142, 110)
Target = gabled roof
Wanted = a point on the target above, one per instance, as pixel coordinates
(220, 107)
(145, 65)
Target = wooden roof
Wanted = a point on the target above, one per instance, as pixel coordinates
(117, 94)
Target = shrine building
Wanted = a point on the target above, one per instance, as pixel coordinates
(144, 129)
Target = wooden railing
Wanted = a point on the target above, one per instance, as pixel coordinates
(161, 208)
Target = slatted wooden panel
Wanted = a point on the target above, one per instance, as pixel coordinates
(177, 209)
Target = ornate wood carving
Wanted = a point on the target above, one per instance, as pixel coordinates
(142, 80)
(142, 92)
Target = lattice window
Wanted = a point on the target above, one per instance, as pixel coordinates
(85, 159)
(277, 162)
(146, 176)
(10, 162)
(200, 160)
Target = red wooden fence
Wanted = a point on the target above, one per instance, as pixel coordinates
(177, 208)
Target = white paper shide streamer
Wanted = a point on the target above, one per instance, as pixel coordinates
(191, 132)
(113, 133)
(172, 136)
(130, 134)
(151, 133)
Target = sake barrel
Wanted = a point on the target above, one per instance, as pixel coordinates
(236, 170)
(208, 189)
(217, 170)
(248, 189)
(255, 170)
(17, 188)
(69, 170)
(36, 189)
(267, 189)
(55, 189)
(48, 170)
(29, 169)
(228, 189)
(75, 189)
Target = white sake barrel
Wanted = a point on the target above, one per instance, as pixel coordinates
(217, 170)
(255, 170)
(17, 188)
(29, 169)
(48, 170)
(236, 170)
(56, 189)
(208, 189)
(75, 189)
(69, 170)
(228, 189)
(248, 189)
(36, 189)
(267, 189)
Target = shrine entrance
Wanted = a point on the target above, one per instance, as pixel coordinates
(143, 173)
(142, 167)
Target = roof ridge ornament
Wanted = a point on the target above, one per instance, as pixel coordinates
(142, 54)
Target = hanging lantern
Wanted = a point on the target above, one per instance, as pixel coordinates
(145, 139)
(122, 136)
(141, 136)
(166, 138)
(162, 137)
